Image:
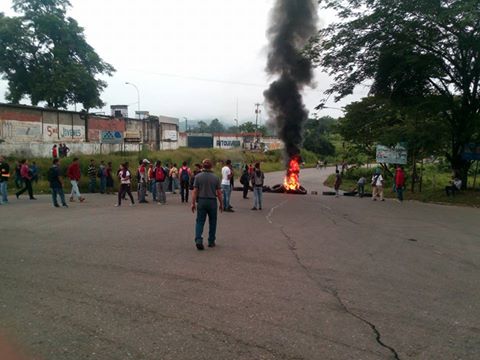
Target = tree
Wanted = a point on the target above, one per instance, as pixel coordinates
(438, 43)
(44, 55)
(315, 138)
(216, 126)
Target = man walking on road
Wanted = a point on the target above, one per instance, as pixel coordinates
(27, 180)
(73, 173)
(206, 191)
(56, 184)
(257, 183)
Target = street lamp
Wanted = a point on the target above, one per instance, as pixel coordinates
(138, 96)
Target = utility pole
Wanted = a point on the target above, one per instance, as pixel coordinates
(257, 112)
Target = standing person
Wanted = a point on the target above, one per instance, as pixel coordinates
(184, 174)
(73, 173)
(61, 153)
(54, 151)
(102, 175)
(377, 185)
(174, 176)
(206, 191)
(245, 181)
(399, 182)
(125, 182)
(258, 178)
(108, 172)
(361, 186)
(226, 188)
(4, 176)
(66, 150)
(142, 181)
(338, 182)
(92, 176)
(160, 176)
(151, 182)
(56, 184)
(27, 179)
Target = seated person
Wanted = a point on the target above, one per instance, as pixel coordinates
(455, 185)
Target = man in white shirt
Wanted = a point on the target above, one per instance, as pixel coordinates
(455, 186)
(226, 188)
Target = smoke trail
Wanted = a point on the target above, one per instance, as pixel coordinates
(292, 23)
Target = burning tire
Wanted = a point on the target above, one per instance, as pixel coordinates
(280, 189)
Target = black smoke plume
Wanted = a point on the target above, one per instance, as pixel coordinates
(292, 24)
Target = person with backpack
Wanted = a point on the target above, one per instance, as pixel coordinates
(56, 184)
(160, 176)
(258, 178)
(73, 173)
(184, 174)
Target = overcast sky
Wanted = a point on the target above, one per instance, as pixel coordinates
(188, 58)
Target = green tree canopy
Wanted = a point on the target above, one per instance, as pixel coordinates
(44, 56)
(414, 51)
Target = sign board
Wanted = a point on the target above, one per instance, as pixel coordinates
(132, 136)
(388, 155)
(170, 135)
(228, 143)
(111, 137)
(471, 152)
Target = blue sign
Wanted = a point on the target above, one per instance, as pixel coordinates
(111, 137)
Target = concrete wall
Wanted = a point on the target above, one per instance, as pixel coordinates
(31, 132)
(227, 141)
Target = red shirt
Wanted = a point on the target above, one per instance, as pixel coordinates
(73, 171)
(25, 172)
(399, 178)
(54, 152)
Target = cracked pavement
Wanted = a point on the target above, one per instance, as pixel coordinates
(309, 277)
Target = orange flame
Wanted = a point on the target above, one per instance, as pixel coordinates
(292, 181)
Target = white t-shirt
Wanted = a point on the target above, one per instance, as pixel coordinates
(379, 180)
(225, 175)
(126, 179)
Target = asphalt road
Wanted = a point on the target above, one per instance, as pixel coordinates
(309, 277)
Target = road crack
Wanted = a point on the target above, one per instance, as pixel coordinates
(292, 247)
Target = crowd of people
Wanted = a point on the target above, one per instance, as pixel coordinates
(152, 178)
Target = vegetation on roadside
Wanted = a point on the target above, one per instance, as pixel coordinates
(432, 189)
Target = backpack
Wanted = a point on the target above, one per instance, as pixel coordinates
(159, 174)
(244, 178)
(99, 172)
(185, 177)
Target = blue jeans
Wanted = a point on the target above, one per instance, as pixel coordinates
(92, 185)
(257, 196)
(206, 207)
(153, 189)
(58, 191)
(3, 191)
(227, 191)
(400, 193)
(103, 184)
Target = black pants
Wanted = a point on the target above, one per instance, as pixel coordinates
(452, 189)
(184, 184)
(245, 191)
(28, 187)
(124, 189)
